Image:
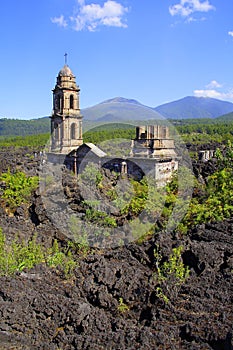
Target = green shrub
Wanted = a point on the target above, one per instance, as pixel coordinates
(170, 274)
(174, 266)
(100, 217)
(122, 307)
(57, 258)
(17, 188)
(216, 203)
(17, 256)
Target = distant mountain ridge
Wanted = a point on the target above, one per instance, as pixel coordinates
(121, 100)
(120, 109)
(191, 107)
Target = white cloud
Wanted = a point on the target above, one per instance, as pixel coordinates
(186, 7)
(215, 90)
(230, 33)
(208, 93)
(93, 15)
(60, 21)
(213, 84)
(214, 94)
(193, 19)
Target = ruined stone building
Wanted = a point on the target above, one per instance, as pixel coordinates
(152, 151)
(66, 120)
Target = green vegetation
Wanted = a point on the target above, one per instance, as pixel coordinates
(92, 176)
(169, 208)
(160, 294)
(31, 141)
(170, 274)
(212, 201)
(100, 217)
(16, 189)
(138, 198)
(128, 202)
(174, 266)
(226, 117)
(18, 256)
(197, 131)
(122, 307)
(55, 257)
(17, 127)
(162, 206)
(109, 132)
(216, 201)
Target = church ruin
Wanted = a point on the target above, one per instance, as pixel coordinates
(152, 150)
(66, 120)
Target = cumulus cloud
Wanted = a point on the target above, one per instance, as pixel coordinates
(60, 21)
(208, 93)
(230, 33)
(187, 7)
(213, 84)
(214, 90)
(92, 16)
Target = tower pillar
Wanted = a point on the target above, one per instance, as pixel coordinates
(66, 119)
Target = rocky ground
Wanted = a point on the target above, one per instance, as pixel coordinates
(111, 302)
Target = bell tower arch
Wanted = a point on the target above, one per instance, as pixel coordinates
(66, 119)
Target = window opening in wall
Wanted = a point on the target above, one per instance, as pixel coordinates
(71, 101)
(56, 131)
(73, 131)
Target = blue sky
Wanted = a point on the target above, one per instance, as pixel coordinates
(154, 51)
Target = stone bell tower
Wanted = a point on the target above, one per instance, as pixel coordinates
(66, 119)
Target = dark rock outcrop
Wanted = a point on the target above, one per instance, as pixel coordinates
(39, 309)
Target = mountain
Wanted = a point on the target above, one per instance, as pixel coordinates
(226, 117)
(121, 100)
(119, 109)
(191, 107)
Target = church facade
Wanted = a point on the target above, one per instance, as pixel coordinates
(152, 150)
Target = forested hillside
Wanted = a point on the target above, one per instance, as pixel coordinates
(19, 127)
(195, 131)
(226, 117)
(123, 110)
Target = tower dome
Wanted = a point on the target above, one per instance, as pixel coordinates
(66, 71)
(66, 79)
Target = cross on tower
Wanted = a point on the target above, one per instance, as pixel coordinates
(66, 58)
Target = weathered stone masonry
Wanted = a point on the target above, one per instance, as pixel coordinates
(152, 151)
